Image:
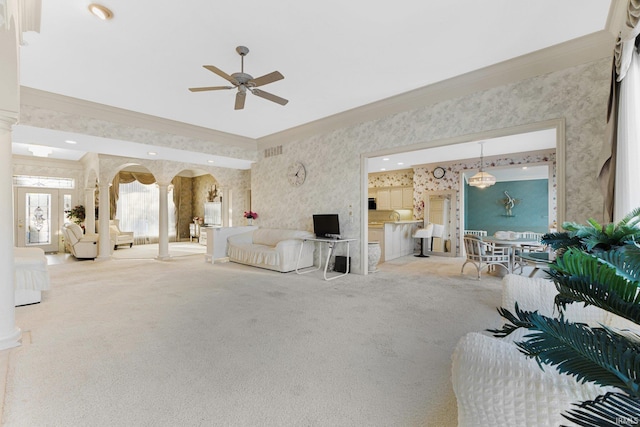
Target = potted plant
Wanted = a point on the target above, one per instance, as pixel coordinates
(596, 265)
(76, 214)
(250, 216)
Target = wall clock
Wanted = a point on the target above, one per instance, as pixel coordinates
(438, 173)
(296, 174)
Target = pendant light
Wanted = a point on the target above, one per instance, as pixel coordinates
(482, 179)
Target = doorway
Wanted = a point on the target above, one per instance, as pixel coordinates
(440, 208)
(37, 218)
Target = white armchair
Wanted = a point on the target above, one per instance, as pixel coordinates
(117, 237)
(79, 245)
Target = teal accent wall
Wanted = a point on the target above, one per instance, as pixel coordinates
(484, 209)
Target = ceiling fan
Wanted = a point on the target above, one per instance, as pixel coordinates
(244, 82)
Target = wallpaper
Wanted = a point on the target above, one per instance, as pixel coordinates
(399, 178)
(578, 94)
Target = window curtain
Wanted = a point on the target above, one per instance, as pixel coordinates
(177, 193)
(138, 211)
(126, 178)
(616, 174)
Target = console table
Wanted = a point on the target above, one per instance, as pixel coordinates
(331, 244)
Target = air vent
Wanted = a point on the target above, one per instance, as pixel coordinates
(273, 151)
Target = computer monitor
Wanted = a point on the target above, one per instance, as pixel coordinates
(326, 225)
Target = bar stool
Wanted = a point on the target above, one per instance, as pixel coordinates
(423, 233)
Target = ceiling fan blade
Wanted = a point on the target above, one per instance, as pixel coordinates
(240, 97)
(221, 73)
(269, 96)
(267, 78)
(200, 89)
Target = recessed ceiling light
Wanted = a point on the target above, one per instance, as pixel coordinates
(383, 169)
(68, 141)
(152, 153)
(524, 167)
(400, 163)
(100, 11)
(209, 161)
(385, 159)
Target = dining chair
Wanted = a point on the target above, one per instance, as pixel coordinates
(485, 254)
(476, 232)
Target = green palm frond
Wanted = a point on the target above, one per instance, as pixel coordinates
(597, 355)
(583, 277)
(595, 236)
(560, 240)
(514, 322)
(625, 260)
(632, 219)
(609, 410)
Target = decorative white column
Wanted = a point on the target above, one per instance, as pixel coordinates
(163, 231)
(9, 333)
(90, 210)
(104, 215)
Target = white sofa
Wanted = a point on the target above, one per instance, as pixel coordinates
(271, 248)
(31, 275)
(496, 385)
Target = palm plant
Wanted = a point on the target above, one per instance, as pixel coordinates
(597, 265)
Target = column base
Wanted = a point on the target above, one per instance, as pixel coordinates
(12, 340)
(163, 257)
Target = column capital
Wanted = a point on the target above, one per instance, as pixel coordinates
(8, 119)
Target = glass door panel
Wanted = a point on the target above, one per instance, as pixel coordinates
(38, 219)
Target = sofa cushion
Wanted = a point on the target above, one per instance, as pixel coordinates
(272, 236)
(76, 232)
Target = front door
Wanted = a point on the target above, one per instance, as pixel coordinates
(37, 218)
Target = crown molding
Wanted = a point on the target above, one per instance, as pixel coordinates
(66, 104)
(46, 162)
(575, 52)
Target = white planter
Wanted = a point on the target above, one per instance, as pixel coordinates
(374, 256)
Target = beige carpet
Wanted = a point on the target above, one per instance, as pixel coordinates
(185, 343)
(176, 249)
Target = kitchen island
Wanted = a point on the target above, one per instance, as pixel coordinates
(395, 237)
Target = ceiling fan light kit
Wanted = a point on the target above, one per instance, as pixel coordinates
(244, 82)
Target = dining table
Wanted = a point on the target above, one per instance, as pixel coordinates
(512, 244)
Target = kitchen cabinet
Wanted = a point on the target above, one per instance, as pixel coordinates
(395, 197)
(407, 197)
(391, 198)
(383, 199)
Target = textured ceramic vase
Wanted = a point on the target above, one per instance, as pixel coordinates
(374, 256)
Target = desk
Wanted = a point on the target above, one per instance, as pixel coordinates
(331, 243)
(512, 244)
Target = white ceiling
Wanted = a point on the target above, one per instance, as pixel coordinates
(335, 55)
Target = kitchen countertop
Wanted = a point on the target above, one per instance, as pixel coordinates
(382, 224)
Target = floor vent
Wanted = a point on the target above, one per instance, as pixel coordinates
(273, 151)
